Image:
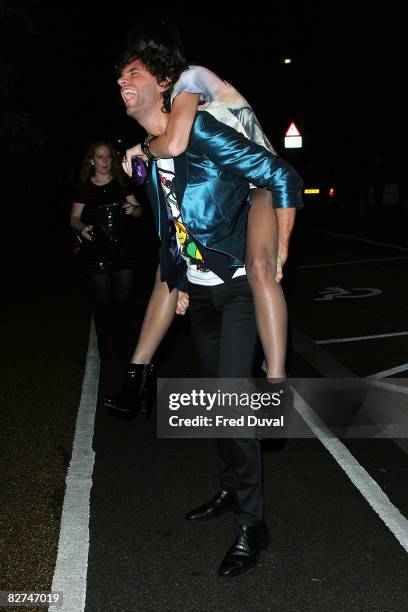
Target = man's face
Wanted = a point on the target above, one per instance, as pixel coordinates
(139, 89)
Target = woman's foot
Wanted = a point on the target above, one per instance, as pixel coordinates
(135, 395)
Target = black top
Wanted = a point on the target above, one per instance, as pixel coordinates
(114, 245)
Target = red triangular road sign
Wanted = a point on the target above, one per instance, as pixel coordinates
(292, 130)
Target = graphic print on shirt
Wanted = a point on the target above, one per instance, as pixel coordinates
(188, 247)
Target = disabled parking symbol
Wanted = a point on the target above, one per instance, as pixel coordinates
(338, 293)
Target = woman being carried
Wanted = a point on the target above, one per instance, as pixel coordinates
(269, 230)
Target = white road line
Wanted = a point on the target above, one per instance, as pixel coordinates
(367, 486)
(402, 368)
(330, 367)
(390, 386)
(357, 338)
(72, 559)
(348, 263)
(392, 246)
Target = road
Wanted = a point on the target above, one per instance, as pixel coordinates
(337, 509)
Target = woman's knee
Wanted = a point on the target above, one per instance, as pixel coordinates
(261, 269)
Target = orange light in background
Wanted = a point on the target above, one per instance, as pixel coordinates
(287, 60)
(331, 192)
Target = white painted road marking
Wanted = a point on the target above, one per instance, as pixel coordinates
(386, 385)
(330, 293)
(367, 486)
(384, 244)
(349, 263)
(358, 338)
(72, 559)
(390, 372)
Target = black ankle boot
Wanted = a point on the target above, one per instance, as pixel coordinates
(281, 408)
(281, 388)
(135, 395)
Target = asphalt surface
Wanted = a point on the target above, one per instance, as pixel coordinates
(330, 550)
(44, 331)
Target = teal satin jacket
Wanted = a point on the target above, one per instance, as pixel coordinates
(212, 187)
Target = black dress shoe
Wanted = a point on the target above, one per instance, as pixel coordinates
(135, 395)
(224, 501)
(250, 541)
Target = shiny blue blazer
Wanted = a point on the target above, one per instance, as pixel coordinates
(212, 187)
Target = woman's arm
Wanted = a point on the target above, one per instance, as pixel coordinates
(132, 206)
(174, 141)
(76, 223)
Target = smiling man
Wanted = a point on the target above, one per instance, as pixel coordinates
(140, 92)
(200, 201)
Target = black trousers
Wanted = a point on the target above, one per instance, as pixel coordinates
(223, 326)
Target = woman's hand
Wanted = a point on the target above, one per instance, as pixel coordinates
(182, 303)
(86, 232)
(127, 160)
(132, 208)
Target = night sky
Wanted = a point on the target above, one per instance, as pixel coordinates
(343, 90)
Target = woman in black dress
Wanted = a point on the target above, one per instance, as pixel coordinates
(101, 214)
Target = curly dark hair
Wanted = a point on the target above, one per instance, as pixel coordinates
(86, 170)
(158, 46)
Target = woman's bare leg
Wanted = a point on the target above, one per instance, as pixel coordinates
(270, 304)
(159, 315)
